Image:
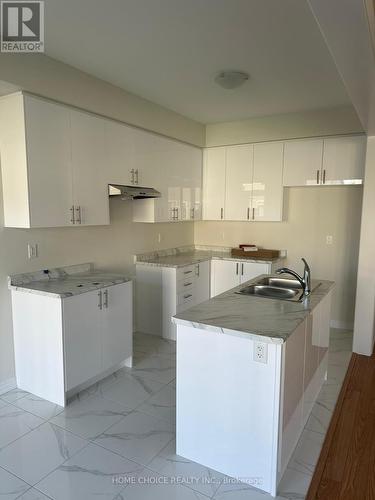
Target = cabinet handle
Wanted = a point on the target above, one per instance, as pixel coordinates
(248, 214)
(187, 272)
(253, 213)
(222, 213)
(192, 213)
(324, 176)
(177, 213)
(187, 296)
(136, 176)
(197, 270)
(106, 299)
(317, 176)
(72, 215)
(132, 175)
(187, 284)
(79, 214)
(242, 269)
(100, 305)
(236, 267)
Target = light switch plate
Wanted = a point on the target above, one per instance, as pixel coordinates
(32, 250)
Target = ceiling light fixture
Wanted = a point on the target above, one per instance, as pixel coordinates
(231, 79)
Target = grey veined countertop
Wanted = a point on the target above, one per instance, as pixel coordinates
(244, 315)
(184, 256)
(65, 282)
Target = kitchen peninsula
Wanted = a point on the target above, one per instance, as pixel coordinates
(248, 372)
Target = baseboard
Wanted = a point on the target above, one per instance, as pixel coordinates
(8, 385)
(342, 325)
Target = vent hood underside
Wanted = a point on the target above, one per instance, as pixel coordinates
(132, 192)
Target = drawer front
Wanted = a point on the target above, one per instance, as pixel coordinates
(185, 273)
(185, 300)
(185, 285)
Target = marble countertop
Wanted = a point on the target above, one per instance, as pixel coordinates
(65, 282)
(244, 315)
(182, 258)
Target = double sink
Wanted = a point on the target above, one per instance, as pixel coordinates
(272, 287)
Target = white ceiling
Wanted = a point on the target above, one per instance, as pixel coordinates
(168, 51)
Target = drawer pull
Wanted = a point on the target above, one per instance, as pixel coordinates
(187, 284)
(187, 272)
(187, 296)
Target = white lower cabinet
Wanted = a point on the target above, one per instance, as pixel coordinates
(226, 274)
(163, 292)
(304, 371)
(64, 345)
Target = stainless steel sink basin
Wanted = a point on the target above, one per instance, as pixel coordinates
(280, 282)
(271, 287)
(272, 292)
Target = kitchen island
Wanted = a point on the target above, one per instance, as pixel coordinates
(248, 372)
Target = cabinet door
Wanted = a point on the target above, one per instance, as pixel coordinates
(311, 383)
(82, 338)
(90, 187)
(117, 323)
(214, 183)
(250, 270)
(202, 282)
(303, 162)
(192, 184)
(120, 164)
(225, 274)
(344, 160)
(238, 185)
(49, 163)
(267, 198)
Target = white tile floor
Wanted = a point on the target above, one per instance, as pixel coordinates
(116, 440)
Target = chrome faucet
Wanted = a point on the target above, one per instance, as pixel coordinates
(305, 281)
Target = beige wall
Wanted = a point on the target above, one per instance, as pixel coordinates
(364, 333)
(287, 126)
(311, 214)
(109, 247)
(42, 75)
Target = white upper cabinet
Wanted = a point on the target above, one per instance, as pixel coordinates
(48, 163)
(214, 183)
(267, 194)
(120, 164)
(330, 161)
(303, 162)
(90, 185)
(174, 169)
(239, 178)
(344, 160)
(35, 162)
(243, 182)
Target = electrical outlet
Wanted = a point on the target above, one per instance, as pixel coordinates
(32, 250)
(260, 352)
(329, 239)
(159, 237)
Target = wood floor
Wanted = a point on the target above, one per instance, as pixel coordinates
(346, 467)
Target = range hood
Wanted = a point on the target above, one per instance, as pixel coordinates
(132, 192)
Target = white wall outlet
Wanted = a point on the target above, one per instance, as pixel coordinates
(329, 239)
(32, 250)
(260, 352)
(159, 237)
